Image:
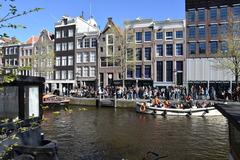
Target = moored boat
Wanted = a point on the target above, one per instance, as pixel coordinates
(147, 108)
(50, 99)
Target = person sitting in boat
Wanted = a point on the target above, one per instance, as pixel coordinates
(166, 104)
(156, 102)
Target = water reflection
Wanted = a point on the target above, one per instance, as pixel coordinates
(116, 134)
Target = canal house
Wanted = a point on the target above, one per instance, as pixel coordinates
(232, 113)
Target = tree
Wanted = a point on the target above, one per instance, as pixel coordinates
(229, 52)
(5, 22)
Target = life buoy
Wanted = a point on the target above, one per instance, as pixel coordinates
(142, 108)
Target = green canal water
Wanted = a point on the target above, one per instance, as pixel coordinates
(116, 134)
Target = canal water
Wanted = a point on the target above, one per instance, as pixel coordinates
(117, 134)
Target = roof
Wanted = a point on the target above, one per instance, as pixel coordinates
(111, 24)
(32, 40)
(232, 112)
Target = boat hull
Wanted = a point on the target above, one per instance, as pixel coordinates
(210, 111)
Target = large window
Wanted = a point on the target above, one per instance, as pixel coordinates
(159, 35)
(70, 60)
(213, 30)
(201, 15)
(138, 54)
(201, 31)
(94, 43)
(236, 12)
(138, 37)
(192, 48)
(148, 36)
(148, 51)
(64, 61)
(57, 74)
(169, 71)
(129, 72)
(93, 57)
(92, 72)
(58, 61)
(85, 71)
(159, 49)
(159, 71)
(58, 46)
(79, 71)
(179, 34)
(79, 43)
(169, 49)
(202, 47)
(129, 54)
(110, 40)
(223, 30)
(64, 74)
(213, 14)
(138, 71)
(191, 16)
(58, 34)
(64, 46)
(79, 57)
(70, 46)
(224, 47)
(86, 43)
(85, 57)
(179, 65)
(191, 32)
(213, 47)
(70, 33)
(103, 62)
(223, 13)
(169, 35)
(70, 74)
(147, 71)
(179, 49)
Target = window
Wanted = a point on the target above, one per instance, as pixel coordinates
(70, 33)
(85, 72)
(138, 37)
(92, 72)
(110, 39)
(148, 51)
(57, 74)
(191, 16)
(138, 54)
(159, 49)
(179, 34)
(92, 56)
(129, 37)
(169, 35)
(103, 62)
(79, 72)
(15, 63)
(101, 49)
(147, 71)
(64, 46)
(179, 65)
(236, 12)
(213, 30)
(85, 57)
(70, 46)
(79, 43)
(201, 31)
(70, 74)
(58, 46)
(6, 51)
(129, 72)
(223, 30)
(169, 49)
(214, 47)
(223, 13)
(129, 54)
(191, 32)
(138, 71)
(148, 36)
(213, 14)
(58, 34)
(64, 74)
(58, 61)
(86, 43)
(201, 15)
(159, 35)
(192, 48)
(64, 34)
(94, 43)
(202, 47)
(64, 61)
(110, 50)
(159, 71)
(169, 71)
(70, 60)
(179, 49)
(79, 57)
(224, 47)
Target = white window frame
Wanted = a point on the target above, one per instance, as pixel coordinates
(70, 33)
(64, 74)
(70, 46)
(79, 58)
(58, 61)
(58, 46)
(58, 34)
(64, 60)
(57, 74)
(70, 60)
(70, 74)
(64, 46)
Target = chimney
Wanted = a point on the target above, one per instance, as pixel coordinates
(109, 19)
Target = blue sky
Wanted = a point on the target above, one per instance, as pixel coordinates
(120, 10)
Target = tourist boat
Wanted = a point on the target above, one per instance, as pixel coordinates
(51, 99)
(194, 111)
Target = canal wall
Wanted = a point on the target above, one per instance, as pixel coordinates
(120, 103)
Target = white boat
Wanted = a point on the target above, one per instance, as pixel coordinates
(148, 109)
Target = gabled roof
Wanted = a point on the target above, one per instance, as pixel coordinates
(111, 24)
(32, 40)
